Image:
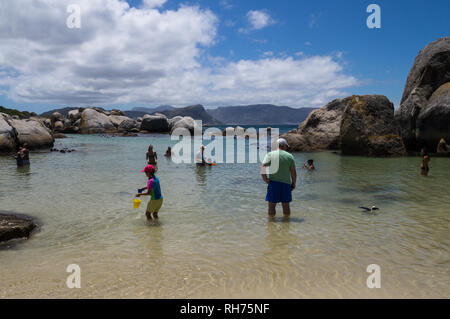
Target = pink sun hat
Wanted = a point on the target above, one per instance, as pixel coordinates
(148, 169)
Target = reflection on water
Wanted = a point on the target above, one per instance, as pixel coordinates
(213, 238)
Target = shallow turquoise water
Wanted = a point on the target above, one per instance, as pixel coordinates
(213, 239)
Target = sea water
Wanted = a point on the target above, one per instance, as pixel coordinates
(214, 239)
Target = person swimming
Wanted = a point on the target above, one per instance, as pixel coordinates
(309, 165)
(425, 169)
(168, 152)
(200, 157)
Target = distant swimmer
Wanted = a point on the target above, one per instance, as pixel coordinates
(369, 209)
(168, 152)
(154, 190)
(200, 157)
(425, 169)
(309, 165)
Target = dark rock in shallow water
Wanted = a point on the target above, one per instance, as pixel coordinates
(15, 226)
(59, 135)
(368, 128)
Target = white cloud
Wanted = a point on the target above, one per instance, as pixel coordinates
(226, 4)
(153, 3)
(143, 55)
(259, 19)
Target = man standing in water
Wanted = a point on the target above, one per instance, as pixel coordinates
(281, 181)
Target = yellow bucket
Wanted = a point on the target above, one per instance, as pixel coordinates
(137, 203)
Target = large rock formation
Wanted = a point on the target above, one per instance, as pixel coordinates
(420, 108)
(14, 132)
(368, 128)
(36, 135)
(94, 122)
(433, 122)
(155, 123)
(320, 130)
(15, 226)
(8, 141)
(186, 122)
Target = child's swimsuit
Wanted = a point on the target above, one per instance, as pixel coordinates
(156, 201)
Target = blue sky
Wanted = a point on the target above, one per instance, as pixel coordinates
(375, 61)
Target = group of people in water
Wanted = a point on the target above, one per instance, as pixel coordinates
(280, 184)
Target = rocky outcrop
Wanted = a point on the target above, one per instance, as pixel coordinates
(419, 109)
(129, 125)
(15, 226)
(433, 122)
(443, 149)
(94, 122)
(33, 133)
(155, 123)
(118, 119)
(14, 132)
(8, 140)
(368, 128)
(320, 130)
(357, 125)
(186, 122)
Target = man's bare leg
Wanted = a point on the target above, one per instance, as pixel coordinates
(272, 211)
(155, 215)
(286, 209)
(149, 215)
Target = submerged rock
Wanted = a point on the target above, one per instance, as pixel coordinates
(15, 226)
(368, 128)
(419, 110)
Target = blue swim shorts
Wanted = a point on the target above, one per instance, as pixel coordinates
(278, 192)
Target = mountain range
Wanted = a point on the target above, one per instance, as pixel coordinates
(258, 114)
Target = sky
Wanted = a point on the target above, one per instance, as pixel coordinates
(123, 54)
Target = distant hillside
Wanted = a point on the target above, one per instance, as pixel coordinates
(12, 112)
(197, 112)
(149, 110)
(260, 114)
